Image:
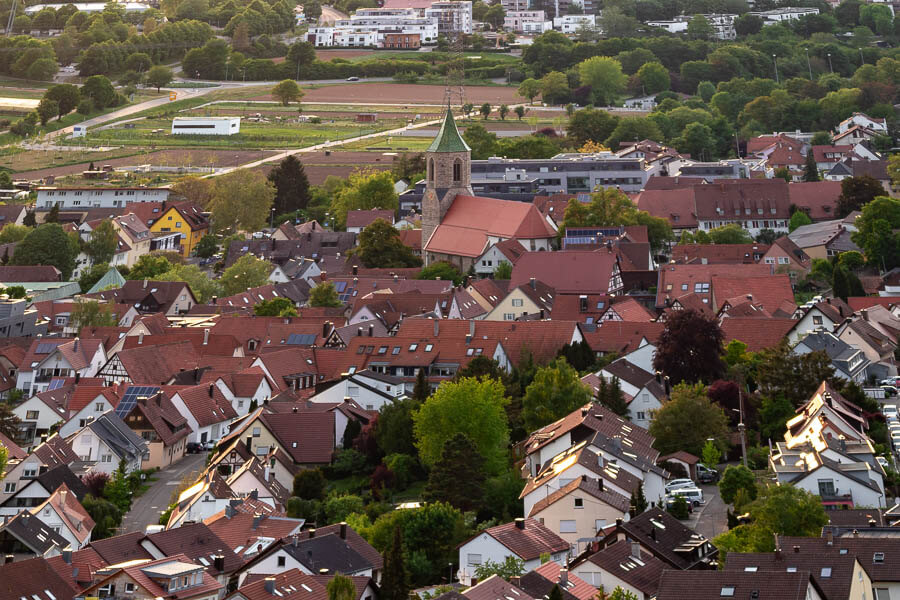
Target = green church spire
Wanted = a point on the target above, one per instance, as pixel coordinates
(448, 138)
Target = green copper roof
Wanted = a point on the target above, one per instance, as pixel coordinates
(448, 138)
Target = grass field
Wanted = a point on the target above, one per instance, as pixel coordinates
(273, 134)
(28, 160)
(393, 144)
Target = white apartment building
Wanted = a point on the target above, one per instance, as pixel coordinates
(723, 24)
(368, 27)
(780, 15)
(569, 24)
(453, 16)
(515, 20)
(75, 198)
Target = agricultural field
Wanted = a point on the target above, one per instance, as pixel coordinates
(407, 93)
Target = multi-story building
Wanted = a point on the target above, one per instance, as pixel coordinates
(569, 24)
(518, 20)
(571, 173)
(75, 198)
(17, 321)
(377, 27)
(722, 24)
(453, 16)
(780, 15)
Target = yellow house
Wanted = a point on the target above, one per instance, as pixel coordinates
(185, 218)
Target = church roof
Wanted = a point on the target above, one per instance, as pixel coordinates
(448, 138)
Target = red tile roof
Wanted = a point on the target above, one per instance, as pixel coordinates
(492, 588)
(712, 254)
(307, 436)
(13, 452)
(70, 510)
(364, 218)
(412, 238)
(165, 419)
(730, 201)
(618, 560)
(216, 344)
(155, 365)
(34, 578)
(676, 206)
(576, 586)
(32, 273)
(622, 336)
(756, 333)
(290, 585)
(678, 280)
(207, 404)
(465, 229)
(243, 529)
(571, 272)
(529, 541)
(817, 199)
(770, 291)
(660, 182)
(858, 303)
(588, 486)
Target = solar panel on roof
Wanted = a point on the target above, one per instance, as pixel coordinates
(340, 286)
(301, 339)
(45, 348)
(55, 384)
(132, 394)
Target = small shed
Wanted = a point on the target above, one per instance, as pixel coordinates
(366, 117)
(685, 459)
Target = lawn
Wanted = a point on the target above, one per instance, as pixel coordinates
(253, 135)
(30, 160)
(393, 143)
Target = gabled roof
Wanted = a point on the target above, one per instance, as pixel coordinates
(121, 548)
(242, 531)
(709, 585)
(472, 220)
(511, 249)
(51, 479)
(550, 572)
(13, 451)
(771, 292)
(364, 218)
(196, 541)
(70, 511)
(676, 206)
(169, 425)
(207, 404)
(34, 579)
(640, 570)
(818, 199)
(155, 365)
(55, 452)
(30, 274)
(493, 291)
(622, 337)
(495, 588)
(118, 436)
(573, 272)
(756, 333)
(448, 138)
(142, 573)
(667, 538)
(327, 552)
(289, 585)
(33, 533)
(307, 436)
(733, 254)
(587, 486)
(527, 538)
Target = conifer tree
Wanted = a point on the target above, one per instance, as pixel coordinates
(638, 502)
(459, 455)
(395, 578)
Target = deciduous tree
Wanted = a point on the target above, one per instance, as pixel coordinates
(287, 91)
(878, 232)
(246, 272)
(101, 247)
(690, 348)
(380, 247)
(856, 192)
(737, 478)
(687, 420)
(556, 391)
(276, 307)
(159, 76)
(196, 189)
(324, 295)
(605, 76)
(241, 201)
(365, 190)
(48, 245)
(309, 484)
(90, 313)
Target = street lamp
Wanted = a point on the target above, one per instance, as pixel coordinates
(775, 62)
(862, 59)
(272, 219)
(808, 64)
(451, 573)
(830, 66)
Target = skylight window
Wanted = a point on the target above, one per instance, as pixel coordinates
(826, 572)
(728, 590)
(878, 558)
(428, 347)
(751, 569)
(412, 347)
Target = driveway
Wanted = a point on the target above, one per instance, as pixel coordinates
(146, 509)
(712, 518)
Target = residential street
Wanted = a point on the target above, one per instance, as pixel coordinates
(145, 510)
(712, 518)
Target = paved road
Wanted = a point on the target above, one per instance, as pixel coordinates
(145, 510)
(712, 518)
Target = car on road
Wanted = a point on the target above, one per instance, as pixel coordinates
(706, 475)
(883, 461)
(353, 79)
(683, 482)
(692, 495)
(890, 411)
(892, 381)
(192, 448)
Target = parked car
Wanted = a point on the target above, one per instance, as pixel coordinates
(670, 501)
(353, 79)
(692, 495)
(891, 381)
(192, 448)
(679, 483)
(889, 411)
(889, 391)
(706, 475)
(883, 461)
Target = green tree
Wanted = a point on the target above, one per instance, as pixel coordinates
(798, 219)
(699, 28)
(52, 215)
(520, 111)
(638, 502)
(10, 424)
(380, 247)
(590, 125)
(512, 566)
(100, 90)
(139, 62)
(91, 275)
(341, 588)
(529, 88)
(48, 245)
(201, 285)
(149, 266)
(90, 313)
(737, 478)
(241, 201)
(67, 97)
(287, 91)
(810, 171)
(207, 246)
(291, 185)
(441, 270)
(338, 507)
(794, 376)
(856, 192)
(324, 295)
(159, 76)
(444, 482)
(365, 190)
(774, 413)
(13, 233)
(654, 78)
(697, 140)
(246, 272)
(47, 109)
(276, 307)
(421, 389)
(556, 391)
(309, 484)
(197, 190)
(605, 76)
(687, 420)
(485, 110)
(395, 575)
(555, 591)
(470, 406)
(878, 232)
(503, 110)
(630, 129)
(503, 271)
(106, 516)
(102, 245)
(711, 455)
(730, 234)
(621, 594)
(611, 396)
(394, 427)
(783, 173)
(554, 87)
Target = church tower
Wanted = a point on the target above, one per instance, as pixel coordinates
(448, 173)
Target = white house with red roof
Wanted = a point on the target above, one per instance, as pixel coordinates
(243, 387)
(863, 120)
(60, 358)
(207, 410)
(63, 513)
(86, 404)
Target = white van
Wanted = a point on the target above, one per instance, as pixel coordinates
(692, 495)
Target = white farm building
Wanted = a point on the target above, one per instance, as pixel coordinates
(206, 125)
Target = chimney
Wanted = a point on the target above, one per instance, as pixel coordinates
(266, 473)
(326, 329)
(324, 275)
(777, 553)
(250, 444)
(533, 283)
(294, 409)
(856, 533)
(140, 338)
(211, 388)
(397, 278)
(355, 270)
(636, 550)
(583, 303)
(564, 577)
(437, 328)
(371, 330)
(77, 378)
(600, 484)
(67, 556)
(213, 300)
(359, 331)
(796, 549)
(257, 518)
(520, 523)
(8, 559)
(145, 284)
(312, 533)
(873, 523)
(254, 494)
(206, 337)
(229, 511)
(829, 537)
(62, 497)
(75, 345)
(343, 530)
(219, 562)
(270, 585)
(323, 571)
